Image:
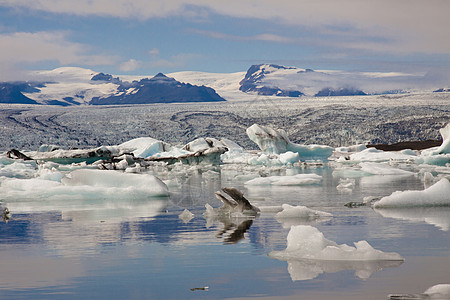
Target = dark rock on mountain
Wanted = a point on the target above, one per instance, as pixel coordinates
(159, 89)
(106, 77)
(252, 81)
(12, 92)
(441, 90)
(325, 92)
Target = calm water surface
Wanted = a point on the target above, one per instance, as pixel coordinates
(143, 250)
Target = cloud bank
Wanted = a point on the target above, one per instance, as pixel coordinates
(395, 26)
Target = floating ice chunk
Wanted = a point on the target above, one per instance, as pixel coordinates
(375, 155)
(144, 147)
(274, 141)
(85, 184)
(289, 157)
(382, 169)
(48, 148)
(201, 144)
(268, 140)
(354, 148)
(436, 195)
(436, 159)
(48, 174)
(437, 292)
(349, 172)
(307, 242)
(186, 216)
(19, 169)
(301, 212)
(299, 179)
(445, 146)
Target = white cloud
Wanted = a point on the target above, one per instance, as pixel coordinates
(153, 52)
(25, 48)
(129, 65)
(268, 37)
(408, 25)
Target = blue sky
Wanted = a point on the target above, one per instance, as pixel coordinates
(147, 37)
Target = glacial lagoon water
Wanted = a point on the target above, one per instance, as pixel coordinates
(104, 249)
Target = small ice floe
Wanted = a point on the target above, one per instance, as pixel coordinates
(383, 169)
(300, 212)
(299, 179)
(234, 202)
(274, 141)
(297, 215)
(186, 216)
(309, 254)
(436, 195)
(438, 292)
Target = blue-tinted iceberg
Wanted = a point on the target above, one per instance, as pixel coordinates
(274, 141)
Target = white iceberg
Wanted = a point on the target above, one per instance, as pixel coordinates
(299, 179)
(274, 141)
(301, 212)
(436, 195)
(144, 147)
(375, 155)
(84, 184)
(382, 169)
(307, 242)
(437, 292)
(445, 146)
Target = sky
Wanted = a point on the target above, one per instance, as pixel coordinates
(145, 37)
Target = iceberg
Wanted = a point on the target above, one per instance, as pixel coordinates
(305, 242)
(304, 212)
(445, 146)
(299, 179)
(83, 184)
(383, 169)
(273, 141)
(437, 292)
(144, 147)
(436, 195)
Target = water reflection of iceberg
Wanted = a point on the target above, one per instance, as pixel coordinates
(437, 216)
(310, 269)
(80, 210)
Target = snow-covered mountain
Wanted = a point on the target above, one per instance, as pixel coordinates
(276, 80)
(75, 86)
